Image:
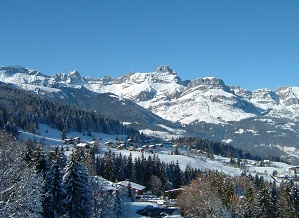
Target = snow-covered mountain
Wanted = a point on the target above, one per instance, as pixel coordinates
(163, 92)
(205, 107)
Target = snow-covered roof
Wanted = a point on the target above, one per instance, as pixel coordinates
(82, 145)
(133, 185)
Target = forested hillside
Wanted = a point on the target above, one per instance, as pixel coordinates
(226, 150)
(21, 109)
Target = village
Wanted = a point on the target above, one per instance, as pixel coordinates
(167, 147)
(147, 204)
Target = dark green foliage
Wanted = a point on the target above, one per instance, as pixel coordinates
(149, 172)
(43, 168)
(19, 108)
(78, 192)
(58, 191)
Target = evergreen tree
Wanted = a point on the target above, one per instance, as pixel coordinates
(295, 200)
(284, 202)
(264, 201)
(43, 169)
(129, 174)
(78, 192)
(177, 176)
(274, 198)
(108, 167)
(58, 191)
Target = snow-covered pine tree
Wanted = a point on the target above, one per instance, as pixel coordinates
(274, 197)
(20, 187)
(295, 199)
(58, 192)
(264, 200)
(78, 192)
(43, 169)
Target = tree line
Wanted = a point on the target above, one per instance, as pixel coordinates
(218, 148)
(156, 175)
(215, 194)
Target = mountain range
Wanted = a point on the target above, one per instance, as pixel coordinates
(161, 103)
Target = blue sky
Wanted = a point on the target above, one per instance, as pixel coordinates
(253, 43)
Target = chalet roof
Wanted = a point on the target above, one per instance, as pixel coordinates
(93, 142)
(293, 168)
(82, 145)
(133, 185)
(174, 190)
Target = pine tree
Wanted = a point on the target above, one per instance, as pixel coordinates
(109, 166)
(129, 168)
(284, 202)
(58, 191)
(78, 193)
(295, 200)
(43, 169)
(264, 200)
(274, 198)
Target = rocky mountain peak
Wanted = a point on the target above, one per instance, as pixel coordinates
(74, 73)
(13, 69)
(208, 83)
(165, 69)
(264, 98)
(288, 95)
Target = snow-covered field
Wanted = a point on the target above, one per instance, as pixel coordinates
(51, 137)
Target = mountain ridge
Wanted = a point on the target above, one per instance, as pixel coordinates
(162, 90)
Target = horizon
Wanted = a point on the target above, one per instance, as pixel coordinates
(248, 44)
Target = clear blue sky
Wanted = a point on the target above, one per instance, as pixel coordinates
(251, 43)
